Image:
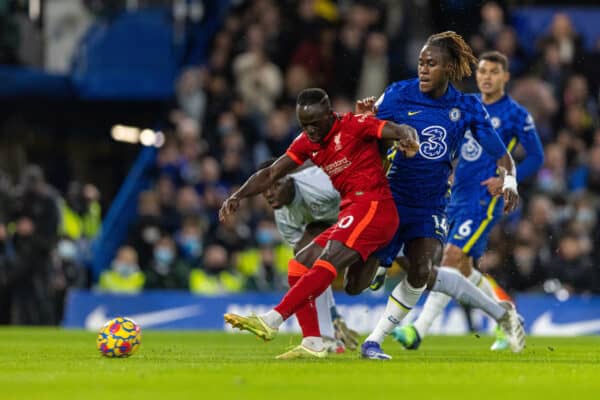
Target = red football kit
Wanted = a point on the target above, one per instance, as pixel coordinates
(349, 154)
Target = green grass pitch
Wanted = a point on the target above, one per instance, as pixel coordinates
(38, 363)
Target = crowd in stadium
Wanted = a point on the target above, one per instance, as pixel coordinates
(238, 109)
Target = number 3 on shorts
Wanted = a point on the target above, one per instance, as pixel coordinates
(346, 221)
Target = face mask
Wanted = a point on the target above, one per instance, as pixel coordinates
(192, 247)
(164, 256)
(67, 250)
(125, 269)
(265, 237)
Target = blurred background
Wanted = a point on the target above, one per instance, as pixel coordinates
(124, 124)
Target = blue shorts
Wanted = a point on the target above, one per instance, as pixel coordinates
(470, 227)
(414, 223)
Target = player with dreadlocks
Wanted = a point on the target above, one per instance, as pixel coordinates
(441, 115)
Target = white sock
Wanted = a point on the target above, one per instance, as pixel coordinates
(313, 343)
(436, 303)
(482, 283)
(401, 301)
(323, 304)
(434, 306)
(452, 283)
(272, 318)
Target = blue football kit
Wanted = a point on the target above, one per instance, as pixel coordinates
(420, 184)
(472, 211)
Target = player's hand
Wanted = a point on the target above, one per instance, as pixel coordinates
(366, 106)
(230, 205)
(494, 185)
(509, 190)
(511, 199)
(409, 143)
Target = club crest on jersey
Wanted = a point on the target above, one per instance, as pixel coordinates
(496, 122)
(471, 149)
(454, 114)
(337, 139)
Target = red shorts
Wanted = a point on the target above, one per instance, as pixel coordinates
(364, 226)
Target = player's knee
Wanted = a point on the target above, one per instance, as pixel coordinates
(354, 287)
(353, 290)
(418, 275)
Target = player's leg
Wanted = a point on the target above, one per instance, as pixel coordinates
(265, 326)
(468, 238)
(358, 233)
(469, 232)
(335, 257)
(312, 283)
(436, 301)
(328, 317)
(359, 275)
(451, 282)
(421, 254)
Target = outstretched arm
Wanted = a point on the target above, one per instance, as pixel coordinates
(260, 181)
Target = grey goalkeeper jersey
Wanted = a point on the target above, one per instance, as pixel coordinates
(315, 200)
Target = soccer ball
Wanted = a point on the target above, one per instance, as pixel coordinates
(119, 337)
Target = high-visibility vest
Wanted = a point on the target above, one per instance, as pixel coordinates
(249, 261)
(224, 282)
(76, 226)
(111, 281)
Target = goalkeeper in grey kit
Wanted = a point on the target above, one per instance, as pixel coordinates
(305, 204)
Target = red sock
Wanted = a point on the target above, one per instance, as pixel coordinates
(307, 313)
(306, 289)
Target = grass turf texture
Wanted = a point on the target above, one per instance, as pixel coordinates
(38, 363)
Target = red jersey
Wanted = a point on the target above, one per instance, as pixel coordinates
(349, 154)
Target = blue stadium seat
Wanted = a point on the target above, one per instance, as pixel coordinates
(131, 57)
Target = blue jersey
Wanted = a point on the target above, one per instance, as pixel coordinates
(422, 181)
(513, 124)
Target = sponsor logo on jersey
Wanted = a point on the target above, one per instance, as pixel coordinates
(470, 150)
(411, 113)
(337, 166)
(433, 142)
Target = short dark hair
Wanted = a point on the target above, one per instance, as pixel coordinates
(313, 96)
(495, 56)
(267, 163)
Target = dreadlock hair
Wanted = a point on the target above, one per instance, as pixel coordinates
(312, 96)
(497, 57)
(459, 51)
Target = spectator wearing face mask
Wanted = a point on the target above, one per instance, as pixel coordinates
(124, 275)
(216, 276)
(189, 241)
(265, 265)
(166, 270)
